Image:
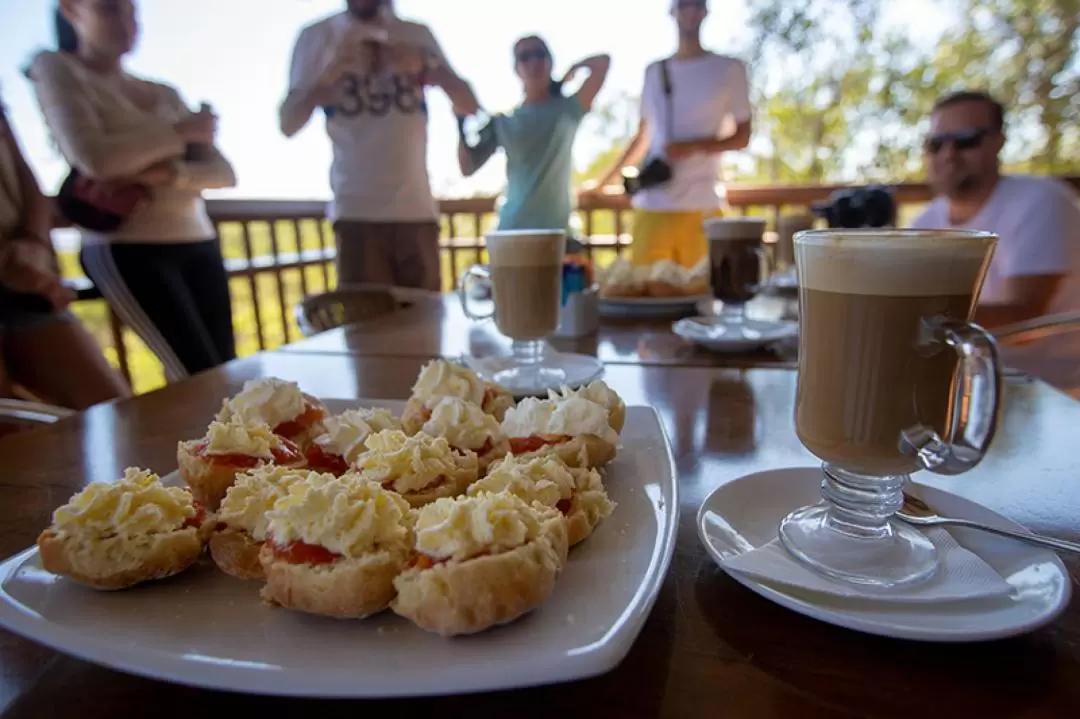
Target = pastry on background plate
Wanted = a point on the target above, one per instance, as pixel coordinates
(600, 393)
(575, 429)
(577, 493)
(335, 546)
(467, 427)
(278, 403)
(114, 535)
(210, 465)
(240, 523)
(700, 278)
(420, 468)
(668, 279)
(623, 279)
(440, 378)
(340, 438)
(480, 561)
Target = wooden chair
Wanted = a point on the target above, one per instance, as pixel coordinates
(353, 305)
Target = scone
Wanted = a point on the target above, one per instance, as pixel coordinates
(468, 428)
(667, 279)
(335, 547)
(278, 403)
(603, 395)
(577, 493)
(420, 468)
(210, 465)
(340, 439)
(622, 279)
(700, 280)
(575, 429)
(439, 379)
(480, 562)
(114, 535)
(240, 524)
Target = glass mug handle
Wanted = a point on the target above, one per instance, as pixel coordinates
(482, 276)
(976, 406)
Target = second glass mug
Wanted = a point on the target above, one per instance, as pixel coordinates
(893, 378)
(736, 261)
(524, 277)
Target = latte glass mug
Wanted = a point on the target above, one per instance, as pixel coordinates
(893, 378)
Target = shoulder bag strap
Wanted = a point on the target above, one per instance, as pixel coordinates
(665, 80)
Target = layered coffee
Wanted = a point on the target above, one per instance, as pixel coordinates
(735, 257)
(526, 278)
(866, 373)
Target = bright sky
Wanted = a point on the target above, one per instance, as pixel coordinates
(235, 54)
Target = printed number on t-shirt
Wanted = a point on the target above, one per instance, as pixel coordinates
(376, 95)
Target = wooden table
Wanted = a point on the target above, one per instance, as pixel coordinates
(436, 326)
(710, 647)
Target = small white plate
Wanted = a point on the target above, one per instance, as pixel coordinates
(743, 515)
(714, 333)
(580, 370)
(206, 629)
(650, 306)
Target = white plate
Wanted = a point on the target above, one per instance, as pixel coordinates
(650, 306)
(206, 629)
(580, 370)
(743, 515)
(713, 333)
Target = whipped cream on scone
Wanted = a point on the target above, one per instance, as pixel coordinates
(544, 479)
(235, 436)
(255, 493)
(670, 273)
(344, 434)
(440, 378)
(464, 425)
(413, 464)
(269, 401)
(466, 527)
(569, 417)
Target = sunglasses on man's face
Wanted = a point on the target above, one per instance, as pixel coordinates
(537, 54)
(960, 139)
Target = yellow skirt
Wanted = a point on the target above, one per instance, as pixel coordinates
(675, 236)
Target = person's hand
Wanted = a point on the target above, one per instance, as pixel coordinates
(59, 295)
(681, 150)
(161, 174)
(33, 270)
(199, 128)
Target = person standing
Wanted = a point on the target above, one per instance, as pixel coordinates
(44, 349)
(695, 106)
(368, 70)
(161, 269)
(538, 138)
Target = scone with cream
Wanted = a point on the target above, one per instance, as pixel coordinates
(114, 535)
(440, 378)
(335, 546)
(468, 428)
(577, 493)
(599, 392)
(667, 279)
(210, 465)
(240, 524)
(700, 278)
(575, 429)
(420, 468)
(340, 439)
(278, 403)
(622, 279)
(480, 561)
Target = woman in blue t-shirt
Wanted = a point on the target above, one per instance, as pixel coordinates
(538, 138)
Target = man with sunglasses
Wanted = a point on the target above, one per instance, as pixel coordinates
(368, 70)
(695, 106)
(1036, 267)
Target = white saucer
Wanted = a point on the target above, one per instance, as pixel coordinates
(579, 369)
(743, 515)
(717, 334)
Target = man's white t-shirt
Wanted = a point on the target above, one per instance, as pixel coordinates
(377, 125)
(710, 96)
(1037, 221)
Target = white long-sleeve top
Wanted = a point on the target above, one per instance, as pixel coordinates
(105, 135)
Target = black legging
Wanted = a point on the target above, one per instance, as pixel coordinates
(175, 296)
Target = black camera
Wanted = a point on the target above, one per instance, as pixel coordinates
(653, 173)
(871, 206)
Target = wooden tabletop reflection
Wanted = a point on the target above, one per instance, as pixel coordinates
(710, 647)
(436, 326)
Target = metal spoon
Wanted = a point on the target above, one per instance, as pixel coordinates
(917, 512)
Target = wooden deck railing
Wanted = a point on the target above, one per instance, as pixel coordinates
(277, 252)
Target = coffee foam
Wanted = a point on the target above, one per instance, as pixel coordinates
(898, 263)
(537, 248)
(734, 228)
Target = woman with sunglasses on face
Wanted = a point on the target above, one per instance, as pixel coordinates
(538, 138)
(43, 348)
(160, 265)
